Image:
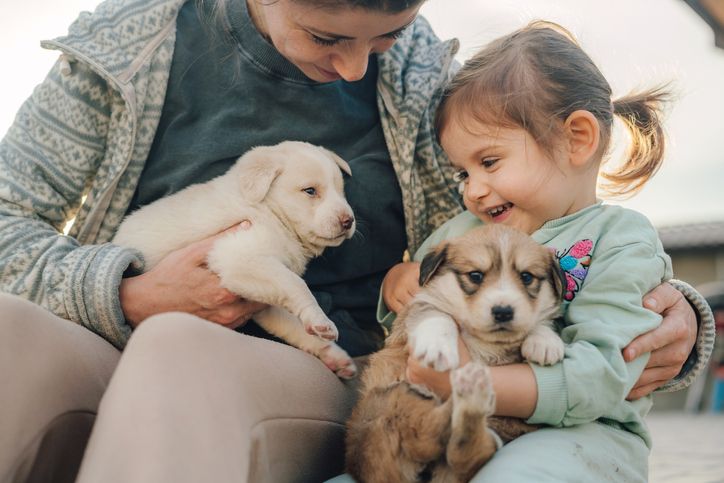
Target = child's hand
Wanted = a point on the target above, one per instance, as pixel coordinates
(437, 382)
(400, 285)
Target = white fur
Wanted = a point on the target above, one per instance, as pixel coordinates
(434, 341)
(265, 262)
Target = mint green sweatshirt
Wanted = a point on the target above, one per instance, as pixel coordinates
(612, 257)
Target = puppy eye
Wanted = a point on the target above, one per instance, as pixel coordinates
(476, 277)
(527, 278)
(310, 191)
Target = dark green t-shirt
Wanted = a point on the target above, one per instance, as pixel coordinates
(224, 98)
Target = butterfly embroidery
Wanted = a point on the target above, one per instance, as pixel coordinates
(574, 262)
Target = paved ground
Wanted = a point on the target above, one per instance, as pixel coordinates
(687, 448)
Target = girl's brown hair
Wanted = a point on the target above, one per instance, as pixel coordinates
(539, 74)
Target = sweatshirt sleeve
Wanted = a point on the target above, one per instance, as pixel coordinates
(592, 380)
(47, 159)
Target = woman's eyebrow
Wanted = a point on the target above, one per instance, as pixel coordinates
(332, 35)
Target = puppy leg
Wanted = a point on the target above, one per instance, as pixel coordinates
(433, 339)
(267, 280)
(542, 346)
(471, 443)
(284, 325)
(394, 433)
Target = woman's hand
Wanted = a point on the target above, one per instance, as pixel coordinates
(400, 284)
(182, 282)
(670, 344)
(437, 382)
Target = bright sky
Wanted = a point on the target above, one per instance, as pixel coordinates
(634, 42)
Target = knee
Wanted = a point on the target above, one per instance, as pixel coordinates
(18, 320)
(170, 337)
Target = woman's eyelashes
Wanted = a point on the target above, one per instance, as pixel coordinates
(328, 42)
(324, 41)
(396, 34)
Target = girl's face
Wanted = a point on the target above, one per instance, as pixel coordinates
(507, 178)
(328, 45)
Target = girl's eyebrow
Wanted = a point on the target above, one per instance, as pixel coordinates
(331, 35)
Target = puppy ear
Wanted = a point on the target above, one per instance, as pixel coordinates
(343, 165)
(257, 171)
(431, 263)
(557, 276)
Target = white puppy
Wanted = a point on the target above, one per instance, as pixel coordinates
(293, 196)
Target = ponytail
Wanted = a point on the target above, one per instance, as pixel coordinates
(641, 115)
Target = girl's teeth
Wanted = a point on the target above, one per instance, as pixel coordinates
(499, 209)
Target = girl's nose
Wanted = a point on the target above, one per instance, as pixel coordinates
(351, 65)
(476, 189)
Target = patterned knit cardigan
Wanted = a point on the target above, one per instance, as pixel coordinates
(78, 146)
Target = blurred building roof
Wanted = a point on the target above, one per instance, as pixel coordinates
(712, 11)
(693, 235)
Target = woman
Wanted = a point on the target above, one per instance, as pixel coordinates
(145, 100)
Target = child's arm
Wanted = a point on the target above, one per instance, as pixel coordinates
(516, 390)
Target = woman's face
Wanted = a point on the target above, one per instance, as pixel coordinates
(328, 44)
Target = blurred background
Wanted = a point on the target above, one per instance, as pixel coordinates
(636, 44)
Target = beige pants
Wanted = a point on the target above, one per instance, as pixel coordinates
(189, 401)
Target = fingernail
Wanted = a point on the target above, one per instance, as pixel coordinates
(651, 303)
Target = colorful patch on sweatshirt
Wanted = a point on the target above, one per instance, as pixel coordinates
(574, 262)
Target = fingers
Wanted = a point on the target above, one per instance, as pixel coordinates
(673, 355)
(234, 314)
(400, 300)
(641, 391)
(673, 328)
(645, 343)
(437, 382)
(662, 297)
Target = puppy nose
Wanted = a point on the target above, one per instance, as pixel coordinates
(502, 313)
(346, 221)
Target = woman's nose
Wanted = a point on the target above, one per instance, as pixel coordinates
(351, 65)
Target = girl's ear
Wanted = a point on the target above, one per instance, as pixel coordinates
(584, 136)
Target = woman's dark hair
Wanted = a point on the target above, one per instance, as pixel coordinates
(392, 6)
(539, 74)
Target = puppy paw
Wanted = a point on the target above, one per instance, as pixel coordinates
(324, 329)
(338, 361)
(472, 389)
(544, 348)
(439, 353)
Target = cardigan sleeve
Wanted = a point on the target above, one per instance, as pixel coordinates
(47, 158)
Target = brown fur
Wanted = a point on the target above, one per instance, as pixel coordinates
(399, 432)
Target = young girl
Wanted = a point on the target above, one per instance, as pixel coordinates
(527, 123)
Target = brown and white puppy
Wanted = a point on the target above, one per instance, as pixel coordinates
(293, 196)
(500, 291)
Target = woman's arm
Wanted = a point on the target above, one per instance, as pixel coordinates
(47, 158)
(182, 282)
